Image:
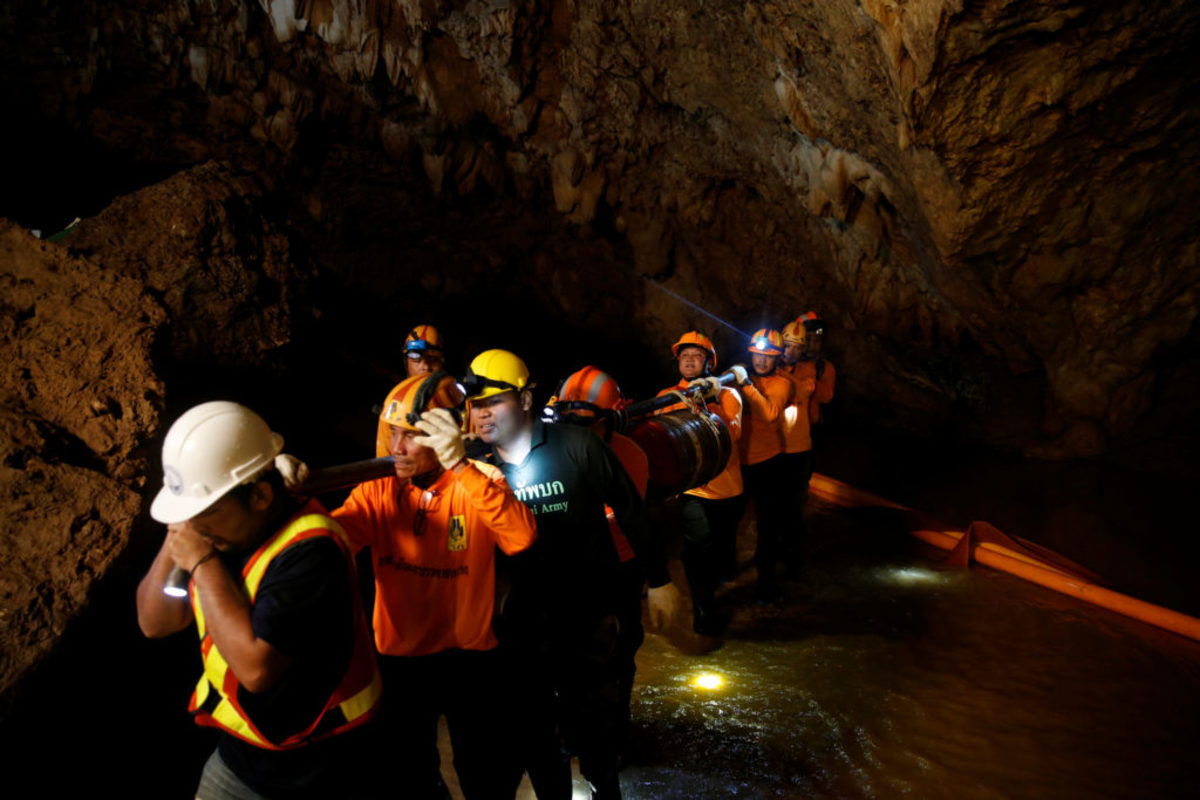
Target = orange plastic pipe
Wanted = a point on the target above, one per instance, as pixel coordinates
(1006, 560)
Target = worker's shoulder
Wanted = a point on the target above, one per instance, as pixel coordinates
(377, 488)
(774, 380)
(311, 554)
(489, 471)
(573, 439)
(568, 433)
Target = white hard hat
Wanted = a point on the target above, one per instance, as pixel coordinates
(209, 450)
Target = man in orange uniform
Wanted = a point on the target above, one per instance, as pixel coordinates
(797, 441)
(709, 513)
(767, 393)
(424, 354)
(588, 398)
(433, 529)
(289, 671)
(814, 349)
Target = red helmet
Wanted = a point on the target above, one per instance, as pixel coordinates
(766, 342)
(811, 320)
(589, 390)
(696, 339)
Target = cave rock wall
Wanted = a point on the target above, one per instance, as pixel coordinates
(991, 202)
(166, 282)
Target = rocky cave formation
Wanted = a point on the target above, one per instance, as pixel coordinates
(992, 203)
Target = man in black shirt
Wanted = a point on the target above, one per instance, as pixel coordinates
(561, 615)
(289, 666)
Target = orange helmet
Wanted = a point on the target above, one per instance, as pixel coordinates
(766, 342)
(591, 391)
(423, 339)
(696, 339)
(404, 404)
(794, 332)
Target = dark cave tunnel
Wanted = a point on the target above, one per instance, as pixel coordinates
(349, 244)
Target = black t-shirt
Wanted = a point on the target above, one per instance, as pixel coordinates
(303, 608)
(566, 480)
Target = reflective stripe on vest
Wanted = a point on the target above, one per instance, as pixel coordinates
(214, 702)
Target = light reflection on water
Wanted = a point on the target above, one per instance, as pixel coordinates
(889, 675)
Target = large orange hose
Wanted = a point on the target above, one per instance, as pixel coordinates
(1004, 559)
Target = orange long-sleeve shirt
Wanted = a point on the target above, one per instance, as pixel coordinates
(824, 392)
(762, 428)
(633, 459)
(797, 431)
(434, 555)
(729, 408)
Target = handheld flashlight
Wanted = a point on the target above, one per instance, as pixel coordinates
(177, 583)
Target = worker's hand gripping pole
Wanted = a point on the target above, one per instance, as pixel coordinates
(642, 408)
(311, 482)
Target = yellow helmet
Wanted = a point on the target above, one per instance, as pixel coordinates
(794, 332)
(404, 404)
(493, 372)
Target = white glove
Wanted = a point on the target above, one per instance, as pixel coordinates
(293, 471)
(740, 374)
(710, 387)
(444, 436)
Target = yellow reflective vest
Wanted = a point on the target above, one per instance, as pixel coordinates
(355, 700)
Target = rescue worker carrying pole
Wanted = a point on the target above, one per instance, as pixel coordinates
(289, 670)
(561, 618)
(768, 393)
(589, 398)
(797, 442)
(424, 354)
(433, 528)
(814, 351)
(709, 513)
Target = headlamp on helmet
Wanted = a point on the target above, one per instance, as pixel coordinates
(423, 340)
(766, 342)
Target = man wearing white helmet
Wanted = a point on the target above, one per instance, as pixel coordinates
(289, 666)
